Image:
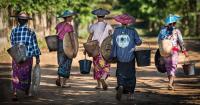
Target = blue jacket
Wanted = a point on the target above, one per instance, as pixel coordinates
(124, 40)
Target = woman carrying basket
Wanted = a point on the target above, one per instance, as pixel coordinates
(22, 34)
(125, 39)
(64, 62)
(173, 34)
(99, 31)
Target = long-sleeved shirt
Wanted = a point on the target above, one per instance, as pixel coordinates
(24, 35)
(124, 40)
(174, 35)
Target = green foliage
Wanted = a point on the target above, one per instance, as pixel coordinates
(152, 12)
(155, 11)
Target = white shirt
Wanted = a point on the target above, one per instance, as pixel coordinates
(100, 31)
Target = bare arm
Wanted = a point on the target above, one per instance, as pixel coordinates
(181, 43)
(90, 37)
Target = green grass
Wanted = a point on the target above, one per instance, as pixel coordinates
(192, 38)
(42, 43)
(83, 34)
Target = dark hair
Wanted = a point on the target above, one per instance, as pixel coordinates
(100, 16)
(22, 21)
(66, 17)
(174, 23)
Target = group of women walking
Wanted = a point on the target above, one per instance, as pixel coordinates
(124, 41)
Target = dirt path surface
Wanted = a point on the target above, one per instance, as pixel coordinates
(151, 85)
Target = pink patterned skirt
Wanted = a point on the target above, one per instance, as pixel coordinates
(101, 67)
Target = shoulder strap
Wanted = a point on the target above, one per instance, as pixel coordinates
(105, 26)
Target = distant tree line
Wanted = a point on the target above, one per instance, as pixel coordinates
(151, 12)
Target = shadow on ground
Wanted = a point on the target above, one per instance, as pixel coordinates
(82, 91)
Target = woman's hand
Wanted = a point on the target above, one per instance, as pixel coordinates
(37, 60)
(186, 53)
(84, 52)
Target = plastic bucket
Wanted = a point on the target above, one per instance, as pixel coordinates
(189, 69)
(18, 53)
(85, 66)
(52, 42)
(143, 57)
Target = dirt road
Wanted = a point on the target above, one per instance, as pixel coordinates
(151, 85)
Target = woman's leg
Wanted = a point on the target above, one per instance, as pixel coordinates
(98, 84)
(120, 80)
(103, 81)
(67, 67)
(101, 70)
(96, 76)
(131, 81)
(65, 83)
(15, 95)
(126, 79)
(171, 82)
(60, 59)
(171, 66)
(58, 81)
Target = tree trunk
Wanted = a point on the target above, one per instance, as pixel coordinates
(198, 24)
(185, 19)
(197, 20)
(76, 26)
(53, 25)
(4, 29)
(1, 22)
(192, 9)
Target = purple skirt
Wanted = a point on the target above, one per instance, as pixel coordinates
(21, 76)
(171, 63)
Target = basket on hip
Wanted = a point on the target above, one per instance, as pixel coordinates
(92, 48)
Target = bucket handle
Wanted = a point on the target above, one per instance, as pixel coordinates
(142, 43)
(85, 56)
